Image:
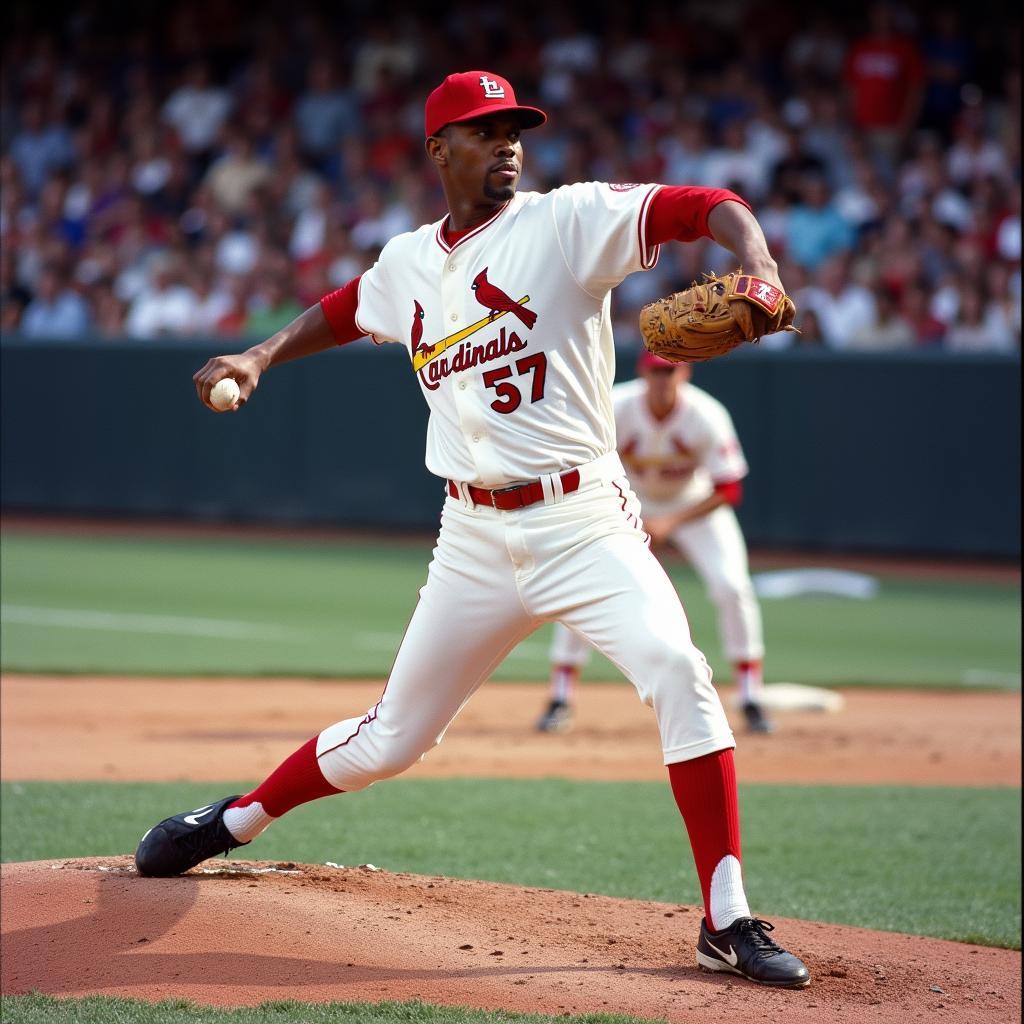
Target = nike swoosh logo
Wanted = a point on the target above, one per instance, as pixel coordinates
(730, 958)
(193, 818)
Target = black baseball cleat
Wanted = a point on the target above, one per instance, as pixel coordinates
(187, 839)
(745, 949)
(757, 721)
(557, 717)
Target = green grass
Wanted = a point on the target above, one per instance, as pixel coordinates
(930, 861)
(339, 608)
(38, 1009)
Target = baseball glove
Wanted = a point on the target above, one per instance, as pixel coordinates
(712, 317)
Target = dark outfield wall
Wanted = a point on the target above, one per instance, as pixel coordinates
(913, 452)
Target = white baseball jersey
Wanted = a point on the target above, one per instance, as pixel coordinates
(678, 460)
(509, 329)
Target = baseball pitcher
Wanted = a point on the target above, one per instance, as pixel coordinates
(503, 307)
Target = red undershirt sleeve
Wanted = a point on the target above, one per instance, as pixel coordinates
(731, 490)
(340, 310)
(680, 212)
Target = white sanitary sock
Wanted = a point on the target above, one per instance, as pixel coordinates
(246, 823)
(563, 682)
(750, 681)
(728, 900)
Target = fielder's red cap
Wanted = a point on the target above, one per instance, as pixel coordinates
(649, 361)
(472, 94)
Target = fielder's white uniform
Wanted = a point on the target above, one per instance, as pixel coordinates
(509, 332)
(675, 463)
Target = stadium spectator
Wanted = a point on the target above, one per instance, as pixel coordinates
(810, 335)
(1003, 309)
(731, 164)
(816, 230)
(795, 162)
(948, 59)
(890, 330)
(326, 113)
(844, 308)
(885, 77)
(1008, 229)
(213, 299)
(41, 146)
(197, 110)
(56, 311)
(232, 322)
(929, 330)
(974, 153)
(311, 226)
(685, 153)
(271, 308)
(235, 174)
(108, 310)
(977, 328)
(165, 306)
(382, 50)
(814, 55)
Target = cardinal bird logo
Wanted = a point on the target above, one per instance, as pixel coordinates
(495, 300)
(417, 330)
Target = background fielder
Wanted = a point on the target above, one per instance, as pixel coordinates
(684, 460)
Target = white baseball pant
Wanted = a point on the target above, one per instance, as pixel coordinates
(715, 547)
(495, 577)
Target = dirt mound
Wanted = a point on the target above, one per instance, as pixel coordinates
(240, 932)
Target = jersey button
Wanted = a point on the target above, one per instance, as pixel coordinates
(451, 266)
(462, 385)
(454, 316)
(476, 437)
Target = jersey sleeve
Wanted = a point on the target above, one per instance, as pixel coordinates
(602, 231)
(375, 305)
(722, 455)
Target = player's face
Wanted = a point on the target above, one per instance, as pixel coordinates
(485, 158)
(662, 382)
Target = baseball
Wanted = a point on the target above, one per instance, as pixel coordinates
(224, 394)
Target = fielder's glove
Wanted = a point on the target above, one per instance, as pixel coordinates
(713, 317)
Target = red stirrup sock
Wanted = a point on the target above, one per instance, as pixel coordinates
(705, 793)
(297, 780)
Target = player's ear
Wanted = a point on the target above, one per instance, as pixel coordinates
(437, 149)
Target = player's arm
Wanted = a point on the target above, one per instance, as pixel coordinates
(686, 213)
(662, 527)
(329, 322)
(735, 228)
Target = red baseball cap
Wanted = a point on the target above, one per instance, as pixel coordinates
(649, 361)
(472, 94)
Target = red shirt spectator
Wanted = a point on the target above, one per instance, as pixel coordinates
(885, 75)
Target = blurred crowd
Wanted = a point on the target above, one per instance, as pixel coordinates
(211, 168)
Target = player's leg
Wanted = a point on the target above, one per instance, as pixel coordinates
(615, 593)
(569, 653)
(716, 549)
(468, 618)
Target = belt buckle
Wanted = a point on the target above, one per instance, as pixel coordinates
(503, 490)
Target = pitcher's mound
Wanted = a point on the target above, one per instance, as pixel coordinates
(243, 932)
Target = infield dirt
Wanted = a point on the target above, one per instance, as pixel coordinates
(243, 932)
(159, 729)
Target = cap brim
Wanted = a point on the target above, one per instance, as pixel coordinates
(649, 361)
(529, 117)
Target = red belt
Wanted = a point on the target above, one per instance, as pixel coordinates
(508, 499)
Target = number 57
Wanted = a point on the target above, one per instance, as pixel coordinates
(509, 396)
